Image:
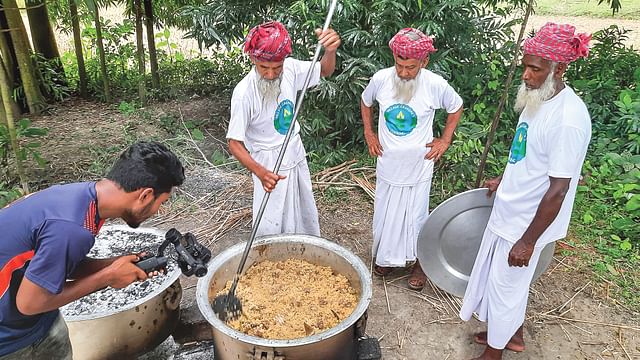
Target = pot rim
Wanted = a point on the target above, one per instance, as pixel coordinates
(168, 281)
(202, 291)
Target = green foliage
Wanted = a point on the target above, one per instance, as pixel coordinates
(28, 137)
(610, 195)
(600, 78)
(8, 193)
(180, 76)
(51, 80)
(608, 202)
(334, 195)
(627, 124)
(216, 74)
(127, 108)
(29, 144)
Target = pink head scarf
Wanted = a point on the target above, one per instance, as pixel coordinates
(558, 43)
(411, 43)
(268, 42)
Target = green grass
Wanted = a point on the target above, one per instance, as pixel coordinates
(630, 8)
(603, 255)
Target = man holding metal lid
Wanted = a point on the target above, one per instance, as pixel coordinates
(262, 107)
(408, 96)
(535, 194)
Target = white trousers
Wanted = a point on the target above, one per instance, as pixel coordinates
(291, 207)
(398, 215)
(497, 292)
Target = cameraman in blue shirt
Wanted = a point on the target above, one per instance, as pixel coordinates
(45, 239)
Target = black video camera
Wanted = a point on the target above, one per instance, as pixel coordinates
(192, 257)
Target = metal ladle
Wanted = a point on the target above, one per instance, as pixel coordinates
(228, 306)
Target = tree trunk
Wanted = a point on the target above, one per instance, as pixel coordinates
(137, 8)
(151, 42)
(103, 61)
(32, 93)
(42, 36)
(5, 91)
(8, 51)
(77, 42)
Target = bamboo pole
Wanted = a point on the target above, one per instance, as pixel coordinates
(503, 98)
(8, 109)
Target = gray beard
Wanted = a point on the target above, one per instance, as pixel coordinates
(404, 90)
(531, 99)
(269, 89)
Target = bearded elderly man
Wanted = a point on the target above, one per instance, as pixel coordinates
(262, 108)
(408, 96)
(535, 194)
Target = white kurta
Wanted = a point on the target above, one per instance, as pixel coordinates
(403, 175)
(551, 142)
(262, 126)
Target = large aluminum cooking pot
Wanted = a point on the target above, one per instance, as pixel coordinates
(337, 343)
(133, 329)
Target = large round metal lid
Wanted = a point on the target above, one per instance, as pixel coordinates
(450, 239)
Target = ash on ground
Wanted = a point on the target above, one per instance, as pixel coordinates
(111, 243)
(203, 181)
(170, 350)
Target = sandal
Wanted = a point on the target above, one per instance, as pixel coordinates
(381, 270)
(418, 279)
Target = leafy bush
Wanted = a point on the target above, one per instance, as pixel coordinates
(600, 78)
(179, 75)
(8, 193)
(29, 149)
(608, 203)
(202, 76)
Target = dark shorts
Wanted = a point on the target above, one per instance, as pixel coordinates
(55, 345)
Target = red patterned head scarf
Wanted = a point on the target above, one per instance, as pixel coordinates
(558, 43)
(268, 42)
(411, 43)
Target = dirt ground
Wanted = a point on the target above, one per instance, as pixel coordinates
(408, 327)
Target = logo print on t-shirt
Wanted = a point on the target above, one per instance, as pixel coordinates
(400, 119)
(519, 144)
(283, 117)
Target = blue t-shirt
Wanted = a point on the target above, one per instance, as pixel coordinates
(44, 236)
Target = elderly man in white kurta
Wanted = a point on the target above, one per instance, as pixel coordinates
(408, 96)
(535, 194)
(262, 107)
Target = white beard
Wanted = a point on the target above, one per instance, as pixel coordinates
(531, 99)
(404, 90)
(269, 89)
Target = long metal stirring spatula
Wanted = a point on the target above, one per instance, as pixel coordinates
(228, 306)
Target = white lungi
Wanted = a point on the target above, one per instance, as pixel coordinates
(497, 292)
(399, 213)
(291, 207)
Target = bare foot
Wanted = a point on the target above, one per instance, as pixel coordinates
(490, 354)
(516, 344)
